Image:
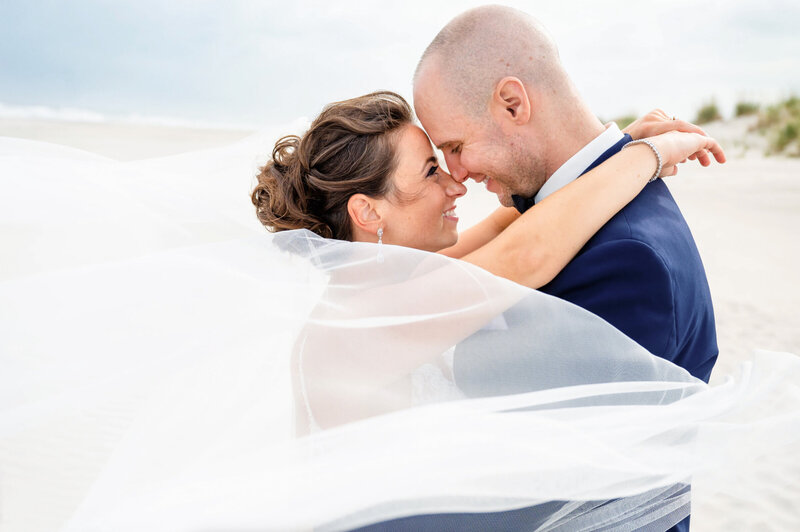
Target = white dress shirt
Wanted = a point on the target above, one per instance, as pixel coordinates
(571, 170)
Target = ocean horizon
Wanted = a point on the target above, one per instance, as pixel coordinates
(89, 116)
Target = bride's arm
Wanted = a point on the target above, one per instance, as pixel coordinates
(653, 123)
(535, 248)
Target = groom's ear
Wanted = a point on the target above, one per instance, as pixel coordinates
(363, 214)
(510, 101)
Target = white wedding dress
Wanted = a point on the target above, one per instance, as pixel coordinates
(429, 384)
(149, 378)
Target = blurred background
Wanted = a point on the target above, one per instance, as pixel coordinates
(249, 63)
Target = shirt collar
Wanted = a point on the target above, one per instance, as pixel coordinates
(575, 165)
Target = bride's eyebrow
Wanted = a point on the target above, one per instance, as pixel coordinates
(428, 161)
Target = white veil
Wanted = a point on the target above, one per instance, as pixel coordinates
(167, 365)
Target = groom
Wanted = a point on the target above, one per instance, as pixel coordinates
(492, 94)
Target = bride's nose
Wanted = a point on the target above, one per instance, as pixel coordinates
(453, 187)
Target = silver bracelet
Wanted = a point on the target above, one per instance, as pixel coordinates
(655, 150)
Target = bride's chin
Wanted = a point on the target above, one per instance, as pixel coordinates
(444, 243)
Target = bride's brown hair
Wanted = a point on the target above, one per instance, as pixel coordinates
(348, 149)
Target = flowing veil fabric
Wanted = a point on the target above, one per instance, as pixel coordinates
(167, 365)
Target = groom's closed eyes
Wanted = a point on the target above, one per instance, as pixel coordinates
(454, 147)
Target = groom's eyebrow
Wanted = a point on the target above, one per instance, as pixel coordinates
(430, 160)
(443, 145)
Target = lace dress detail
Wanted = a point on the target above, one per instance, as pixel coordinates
(429, 384)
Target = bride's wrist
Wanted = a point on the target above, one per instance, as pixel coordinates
(647, 145)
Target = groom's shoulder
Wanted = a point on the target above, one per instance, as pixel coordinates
(654, 219)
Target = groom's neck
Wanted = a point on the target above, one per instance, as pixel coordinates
(568, 133)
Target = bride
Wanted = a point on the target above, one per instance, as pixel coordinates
(159, 356)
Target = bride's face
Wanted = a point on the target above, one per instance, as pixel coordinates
(420, 212)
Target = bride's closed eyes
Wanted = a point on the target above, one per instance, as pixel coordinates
(433, 170)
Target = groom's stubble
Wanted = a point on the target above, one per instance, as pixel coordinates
(520, 170)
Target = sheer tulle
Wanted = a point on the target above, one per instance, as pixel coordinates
(167, 365)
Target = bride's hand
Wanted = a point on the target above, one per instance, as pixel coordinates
(676, 147)
(657, 122)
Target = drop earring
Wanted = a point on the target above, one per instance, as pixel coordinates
(380, 245)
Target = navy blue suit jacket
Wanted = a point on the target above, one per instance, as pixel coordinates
(643, 274)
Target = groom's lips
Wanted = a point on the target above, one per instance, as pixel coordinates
(491, 185)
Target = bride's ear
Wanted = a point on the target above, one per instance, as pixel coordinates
(510, 101)
(363, 213)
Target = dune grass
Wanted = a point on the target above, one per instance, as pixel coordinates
(780, 123)
(625, 121)
(708, 113)
(747, 108)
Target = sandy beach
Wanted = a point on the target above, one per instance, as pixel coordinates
(744, 215)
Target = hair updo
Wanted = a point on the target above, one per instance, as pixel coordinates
(348, 149)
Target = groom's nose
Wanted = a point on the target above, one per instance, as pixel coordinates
(458, 172)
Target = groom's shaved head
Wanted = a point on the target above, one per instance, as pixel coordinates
(483, 45)
(492, 95)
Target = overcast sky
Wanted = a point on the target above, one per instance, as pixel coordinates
(264, 62)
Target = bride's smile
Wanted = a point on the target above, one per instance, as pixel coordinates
(450, 214)
(421, 210)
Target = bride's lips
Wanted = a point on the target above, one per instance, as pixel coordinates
(450, 214)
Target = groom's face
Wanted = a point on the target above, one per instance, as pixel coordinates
(474, 147)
